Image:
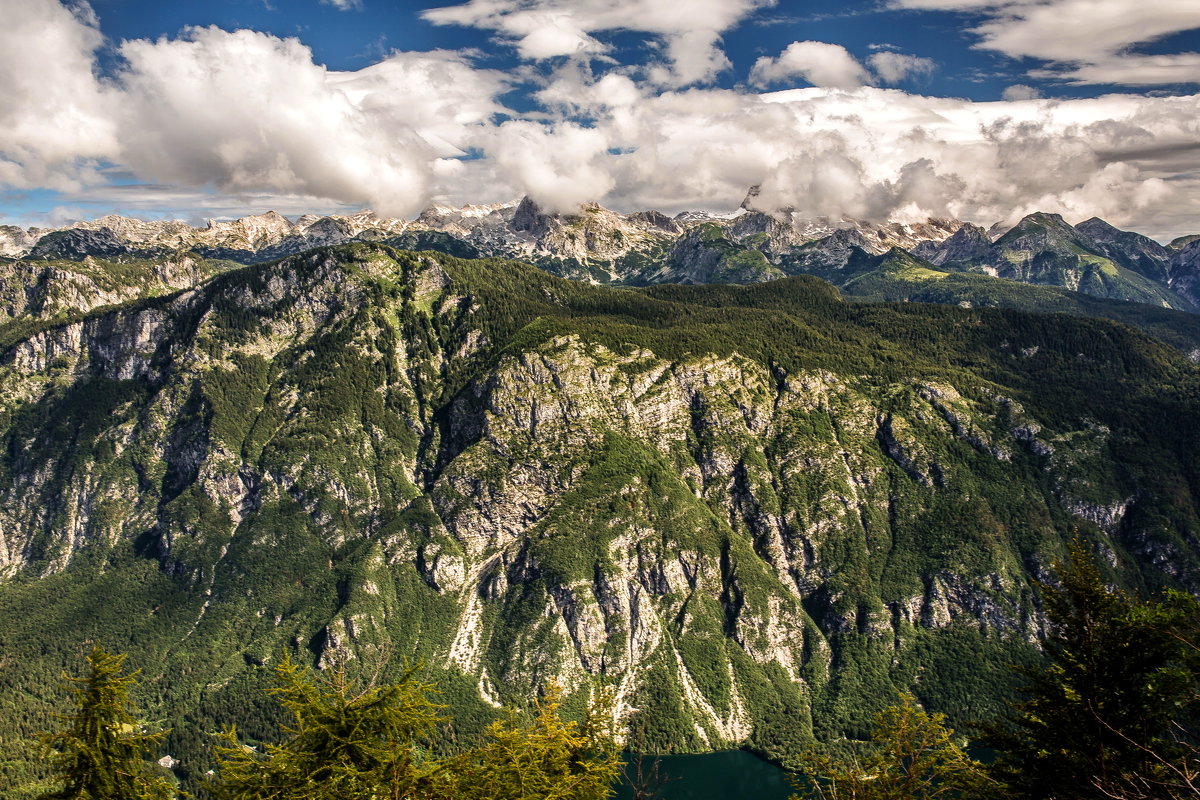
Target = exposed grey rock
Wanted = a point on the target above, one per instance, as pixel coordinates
(1132, 250)
(73, 244)
(968, 243)
(1185, 272)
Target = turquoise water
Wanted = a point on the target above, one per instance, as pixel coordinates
(730, 775)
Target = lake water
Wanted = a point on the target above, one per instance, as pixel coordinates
(729, 775)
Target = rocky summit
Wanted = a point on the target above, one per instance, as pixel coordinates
(757, 512)
(602, 246)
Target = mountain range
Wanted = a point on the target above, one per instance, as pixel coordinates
(759, 506)
(1040, 264)
(603, 246)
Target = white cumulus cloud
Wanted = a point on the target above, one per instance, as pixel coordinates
(56, 121)
(893, 67)
(689, 32)
(819, 63)
(1020, 91)
(247, 111)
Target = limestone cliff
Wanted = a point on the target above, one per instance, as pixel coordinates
(758, 512)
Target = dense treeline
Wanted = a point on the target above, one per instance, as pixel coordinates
(205, 661)
(1113, 716)
(345, 737)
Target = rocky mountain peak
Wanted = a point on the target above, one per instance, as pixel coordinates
(656, 220)
(78, 243)
(1182, 241)
(1098, 228)
(1042, 231)
(1132, 250)
(15, 241)
(968, 243)
(1185, 271)
(529, 217)
(751, 195)
(829, 256)
(249, 233)
(1042, 220)
(842, 240)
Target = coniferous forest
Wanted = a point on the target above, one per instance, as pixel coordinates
(767, 517)
(1111, 714)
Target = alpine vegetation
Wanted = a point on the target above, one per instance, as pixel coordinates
(756, 514)
(806, 387)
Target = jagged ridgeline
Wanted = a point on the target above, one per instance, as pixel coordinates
(759, 512)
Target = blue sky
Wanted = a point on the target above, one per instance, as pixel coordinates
(890, 109)
(365, 32)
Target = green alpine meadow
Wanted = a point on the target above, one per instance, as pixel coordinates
(753, 516)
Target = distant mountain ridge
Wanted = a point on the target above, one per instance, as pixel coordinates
(603, 246)
(514, 229)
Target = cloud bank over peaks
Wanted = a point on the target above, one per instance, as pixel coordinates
(249, 117)
(886, 154)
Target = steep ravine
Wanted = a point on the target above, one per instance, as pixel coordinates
(755, 535)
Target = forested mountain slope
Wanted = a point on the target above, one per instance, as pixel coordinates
(759, 512)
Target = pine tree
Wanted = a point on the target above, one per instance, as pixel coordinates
(101, 752)
(543, 756)
(346, 742)
(1111, 710)
(912, 756)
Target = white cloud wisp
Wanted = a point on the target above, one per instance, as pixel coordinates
(1084, 41)
(689, 32)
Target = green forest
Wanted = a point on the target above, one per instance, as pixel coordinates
(761, 516)
(1111, 714)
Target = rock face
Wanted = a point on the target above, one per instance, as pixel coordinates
(15, 242)
(1185, 272)
(78, 244)
(829, 258)
(1182, 241)
(1044, 249)
(756, 514)
(1139, 253)
(704, 255)
(969, 243)
(46, 290)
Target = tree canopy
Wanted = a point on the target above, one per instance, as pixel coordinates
(101, 751)
(1112, 715)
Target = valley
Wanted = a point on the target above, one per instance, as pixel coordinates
(758, 511)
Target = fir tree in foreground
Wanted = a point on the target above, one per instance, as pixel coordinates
(912, 756)
(543, 757)
(345, 742)
(1113, 716)
(101, 751)
(349, 742)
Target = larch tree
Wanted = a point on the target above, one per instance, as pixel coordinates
(102, 752)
